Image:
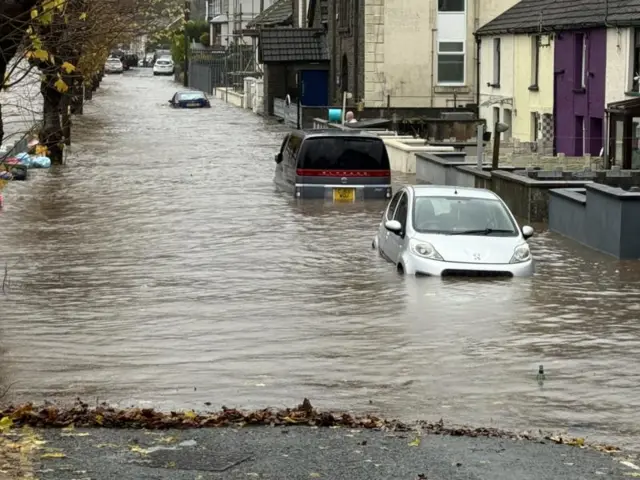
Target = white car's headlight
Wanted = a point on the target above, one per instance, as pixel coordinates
(521, 254)
(425, 250)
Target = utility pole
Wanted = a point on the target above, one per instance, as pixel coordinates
(187, 6)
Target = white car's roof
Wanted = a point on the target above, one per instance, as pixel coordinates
(442, 190)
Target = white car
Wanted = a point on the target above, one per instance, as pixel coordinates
(113, 65)
(163, 66)
(453, 231)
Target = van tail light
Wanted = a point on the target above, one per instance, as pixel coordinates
(307, 172)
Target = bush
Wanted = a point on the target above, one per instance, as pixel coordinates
(204, 39)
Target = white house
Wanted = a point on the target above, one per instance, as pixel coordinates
(421, 53)
(623, 64)
(228, 16)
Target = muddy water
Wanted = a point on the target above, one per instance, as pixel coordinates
(160, 267)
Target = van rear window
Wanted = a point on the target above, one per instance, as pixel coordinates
(343, 153)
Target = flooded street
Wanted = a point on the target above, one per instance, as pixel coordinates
(161, 267)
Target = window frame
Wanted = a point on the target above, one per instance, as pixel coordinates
(388, 214)
(535, 61)
(635, 61)
(579, 40)
(405, 196)
(441, 2)
(497, 61)
(462, 53)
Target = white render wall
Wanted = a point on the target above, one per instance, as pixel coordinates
(507, 65)
(619, 64)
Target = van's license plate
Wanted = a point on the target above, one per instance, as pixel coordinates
(344, 194)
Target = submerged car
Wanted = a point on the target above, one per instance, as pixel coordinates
(190, 99)
(453, 231)
(334, 165)
(113, 65)
(163, 66)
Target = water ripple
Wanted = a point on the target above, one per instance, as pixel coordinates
(161, 266)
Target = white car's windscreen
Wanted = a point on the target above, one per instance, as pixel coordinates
(459, 215)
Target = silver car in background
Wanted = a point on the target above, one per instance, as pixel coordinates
(453, 231)
(113, 65)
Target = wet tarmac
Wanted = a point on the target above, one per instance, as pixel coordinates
(161, 267)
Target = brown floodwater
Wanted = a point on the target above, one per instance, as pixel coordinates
(161, 267)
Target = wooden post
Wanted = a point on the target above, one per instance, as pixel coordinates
(496, 148)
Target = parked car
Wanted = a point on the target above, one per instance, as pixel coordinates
(113, 65)
(333, 165)
(453, 231)
(189, 99)
(163, 66)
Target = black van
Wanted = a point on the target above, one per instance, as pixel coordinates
(334, 165)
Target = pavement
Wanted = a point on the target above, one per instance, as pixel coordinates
(296, 452)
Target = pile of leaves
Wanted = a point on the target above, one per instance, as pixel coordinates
(103, 415)
(82, 415)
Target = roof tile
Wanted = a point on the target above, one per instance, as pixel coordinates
(279, 45)
(531, 16)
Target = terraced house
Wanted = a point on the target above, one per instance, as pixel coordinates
(549, 67)
(397, 53)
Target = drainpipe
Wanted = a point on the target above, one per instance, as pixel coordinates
(478, 44)
(301, 14)
(356, 51)
(333, 68)
(434, 43)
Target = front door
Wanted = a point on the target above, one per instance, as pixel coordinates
(314, 88)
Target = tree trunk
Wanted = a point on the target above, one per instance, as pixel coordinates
(51, 135)
(13, 22)
(77, 99)
(88, 91)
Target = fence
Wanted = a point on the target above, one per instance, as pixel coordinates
(210, 69)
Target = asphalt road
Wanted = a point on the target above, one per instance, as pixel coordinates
(305, 452)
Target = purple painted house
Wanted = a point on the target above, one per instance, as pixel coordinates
(579, 91)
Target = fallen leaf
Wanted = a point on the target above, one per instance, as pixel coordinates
(190, 415)
(415, 442)
(315, 475)
(79, 434)
(105, 445)
(168, 440)
(137, 449)
(5, 424)
(171, 465)
(632, 474)
(630, 465)
(53, 455)
(576, 442)
(99, 419)
(70, 428)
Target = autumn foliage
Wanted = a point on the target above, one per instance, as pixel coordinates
(68, 42)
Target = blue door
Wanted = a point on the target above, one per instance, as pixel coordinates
(315, 88)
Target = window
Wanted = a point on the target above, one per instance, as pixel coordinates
(451, 6)
(507, 120)
(345, 14)
(535, 126)
(392, 205)
(451, 63)
(579, 136)
(579, 53)
(496, 62)
(293, 146)
(635, 74)
(535, 60)
(456, 214)
(344, 153)
(402, 210)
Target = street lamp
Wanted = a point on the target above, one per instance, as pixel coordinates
(498, 129)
